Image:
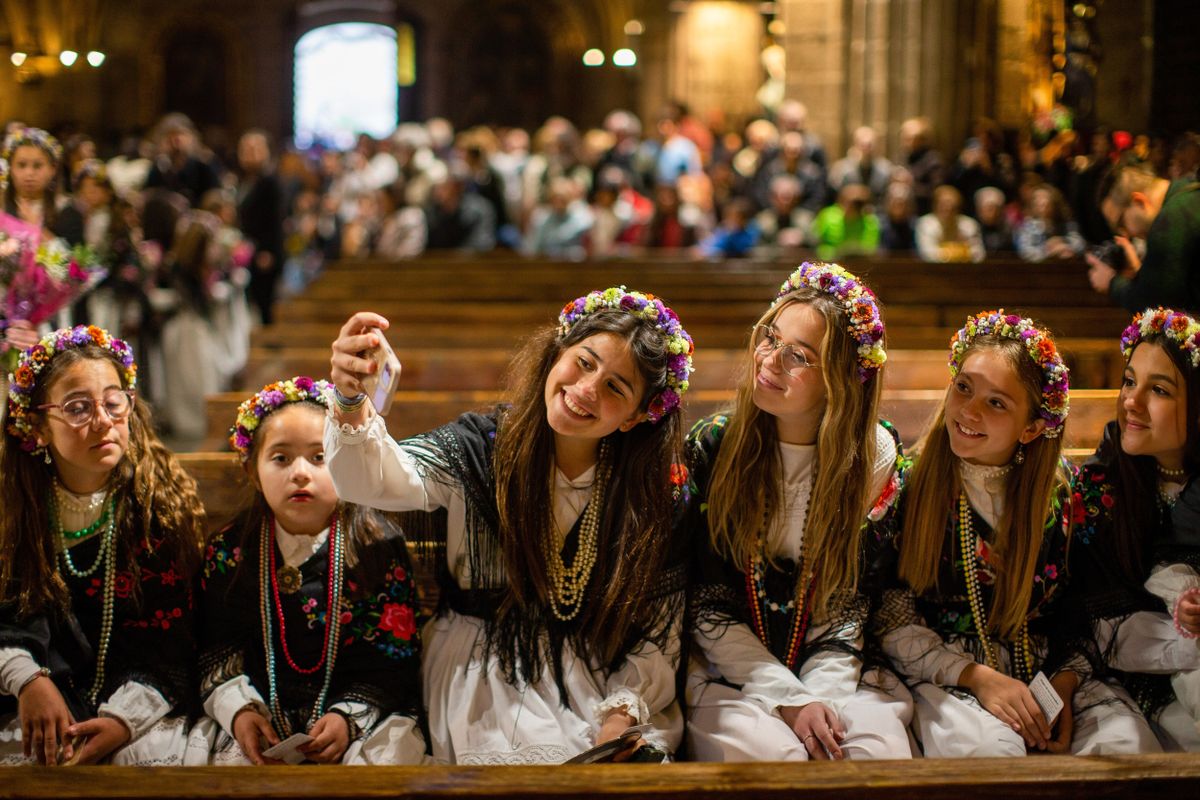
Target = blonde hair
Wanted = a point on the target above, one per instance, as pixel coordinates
(933, 490)
(747, 482)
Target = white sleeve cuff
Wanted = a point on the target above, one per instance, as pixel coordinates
(229, 698)
(137, 705)
(621, 700)
(345, 433)
(17, 668)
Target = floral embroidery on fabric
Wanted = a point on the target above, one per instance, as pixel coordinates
(386, 619)
(1091, 503)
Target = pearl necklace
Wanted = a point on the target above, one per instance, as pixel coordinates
(107, 558)
(568, 583)
(1171, 473)
(270, 605)
(800, 606)
(967, 542)
(76, 504)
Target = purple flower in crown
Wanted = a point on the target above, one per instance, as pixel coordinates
(862, 309)
(647, 307)
(251, 413)
(1055, 403)
(1182, 330)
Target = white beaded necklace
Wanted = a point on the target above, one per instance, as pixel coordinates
(568, 583)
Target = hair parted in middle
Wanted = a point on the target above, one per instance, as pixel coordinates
(934, 483)
(746, 489)
(635, 532)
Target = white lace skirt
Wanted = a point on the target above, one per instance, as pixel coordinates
(477, 717)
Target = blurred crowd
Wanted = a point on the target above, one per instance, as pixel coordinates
(200, 237)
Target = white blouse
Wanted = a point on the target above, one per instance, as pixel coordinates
(736, 652)
(371, 468)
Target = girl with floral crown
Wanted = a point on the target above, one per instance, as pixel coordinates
(31, 187)
(1136, 548)
(28, 168)
(976, 611)
(309, 607)
(100, 531)
(562, 589)
(788, 482)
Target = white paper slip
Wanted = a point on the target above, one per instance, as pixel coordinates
(287, 751)
(1047, 699)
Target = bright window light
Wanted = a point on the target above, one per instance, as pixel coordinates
(67, 57)
(593, 58)
(346, 84)
(18, 58)
(624, 57)
(95, 58)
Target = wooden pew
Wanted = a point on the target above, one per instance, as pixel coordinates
(1160, 776)
(1094, 364)
(485, 368)
(415, 412)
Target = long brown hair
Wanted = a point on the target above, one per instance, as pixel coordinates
(634, 534)
(152, 492)
(933, 490)
(747, 483)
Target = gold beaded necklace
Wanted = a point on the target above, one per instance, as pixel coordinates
(1023, 660)
(568, 582)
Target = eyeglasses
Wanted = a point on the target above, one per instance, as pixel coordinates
(81, 411)
(766, 342)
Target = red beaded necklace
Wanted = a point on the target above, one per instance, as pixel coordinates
(329, 600)
(801, 612)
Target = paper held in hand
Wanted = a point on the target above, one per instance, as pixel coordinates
(1047, 699)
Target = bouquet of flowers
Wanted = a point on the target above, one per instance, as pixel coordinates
(37, 278)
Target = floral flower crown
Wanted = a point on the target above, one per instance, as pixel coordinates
(36, 137)
(1055, 375)
(28, 136)
(648, 307)
(251, 413)
(92, 168)
(862, 309)
(34, 361)
(1180, 328)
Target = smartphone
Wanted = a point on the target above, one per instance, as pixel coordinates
(381, 384)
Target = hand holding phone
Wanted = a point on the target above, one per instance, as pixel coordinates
(381, 384)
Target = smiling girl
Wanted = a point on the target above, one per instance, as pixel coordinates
(787, 480)
(977, 611)
(100, 529)
(561, 594)
(1136, 561)
(309, 607)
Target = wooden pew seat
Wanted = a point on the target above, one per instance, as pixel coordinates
(1161, 776)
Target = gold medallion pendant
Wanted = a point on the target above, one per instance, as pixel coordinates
(289, 579)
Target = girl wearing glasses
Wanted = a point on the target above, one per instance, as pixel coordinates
(787, 482)
(977, 610)
(273, 660)
(100, 529)
(561, 589)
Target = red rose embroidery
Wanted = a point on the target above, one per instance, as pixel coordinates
(398, 620)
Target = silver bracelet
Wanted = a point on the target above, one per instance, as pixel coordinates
(348, 405)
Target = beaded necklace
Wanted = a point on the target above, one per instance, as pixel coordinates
(799, 607)
(1023, 660)
(106, 557)
(568, 583)
(271, 606)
